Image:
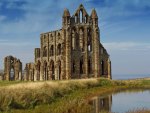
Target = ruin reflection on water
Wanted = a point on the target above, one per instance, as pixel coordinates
(101, 103)
(121, 102)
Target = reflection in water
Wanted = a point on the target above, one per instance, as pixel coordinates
(121, 102)
(100, 104)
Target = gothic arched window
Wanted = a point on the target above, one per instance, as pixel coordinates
(59, 49)
(45, 51)
(52, 50)
(81, 16)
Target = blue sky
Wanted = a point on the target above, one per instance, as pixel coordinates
(124, 26)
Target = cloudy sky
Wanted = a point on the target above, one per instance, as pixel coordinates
(124, 26)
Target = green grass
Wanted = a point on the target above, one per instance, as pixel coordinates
(7, 83)
(59, 96)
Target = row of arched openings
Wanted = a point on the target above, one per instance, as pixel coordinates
(52, 70)
(89, 66)
(51, 53)
(81, 66)
(78, 40)
(80, 18)
(51, 36)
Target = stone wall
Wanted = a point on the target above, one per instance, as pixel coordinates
(12, 68)
(74, 51)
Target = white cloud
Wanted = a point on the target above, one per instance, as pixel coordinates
(45, 15)
(127, 46)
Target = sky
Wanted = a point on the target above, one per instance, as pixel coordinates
(124, 29)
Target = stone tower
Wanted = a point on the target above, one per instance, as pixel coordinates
(74, 51)
(12, 68)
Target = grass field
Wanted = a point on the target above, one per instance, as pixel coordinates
(60, 96)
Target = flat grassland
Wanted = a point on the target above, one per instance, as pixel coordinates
(66, 96)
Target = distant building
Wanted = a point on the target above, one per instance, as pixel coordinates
(12, 68)
(74, 51)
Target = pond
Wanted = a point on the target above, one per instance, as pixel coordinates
(121, 102)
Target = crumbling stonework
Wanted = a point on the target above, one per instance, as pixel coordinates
(12, 68)
(74, 51)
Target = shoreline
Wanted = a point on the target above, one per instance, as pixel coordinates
(37, 96)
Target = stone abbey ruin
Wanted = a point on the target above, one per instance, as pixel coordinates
(74, 51)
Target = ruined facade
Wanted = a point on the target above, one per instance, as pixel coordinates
(74, 51)
(12, 68)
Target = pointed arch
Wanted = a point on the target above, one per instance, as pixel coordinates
(59, 49)
(81, 15)
(44, 51)
(51, 50)
(58, 35)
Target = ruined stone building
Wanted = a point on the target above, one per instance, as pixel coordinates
(12, 68)
(74, 51)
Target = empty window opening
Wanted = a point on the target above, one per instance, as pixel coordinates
(52, 50)
(89, 48)
(81, 16)
(45, 52)
(59, 49)
(12, 74)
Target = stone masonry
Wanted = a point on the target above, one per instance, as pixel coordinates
(74, 51)
(12, 68)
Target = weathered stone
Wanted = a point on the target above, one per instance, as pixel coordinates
(12, 68)
(74, 51)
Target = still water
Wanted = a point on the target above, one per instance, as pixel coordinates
(121, 102)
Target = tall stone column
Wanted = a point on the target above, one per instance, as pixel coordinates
(56, 70)
(35, 75)
(41, 72)
(96, 53)
(68, 54)
(86, 51)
